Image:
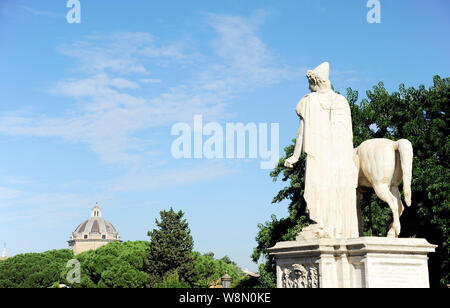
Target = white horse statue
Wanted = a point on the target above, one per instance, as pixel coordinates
(383, 164)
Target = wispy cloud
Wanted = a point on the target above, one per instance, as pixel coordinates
(145, 180)
(42, 13)
(114, 116)
(110, 112)
(49, 209)
(8, 193)
(150, 80)
(344, 77)
(16, 180)
(124, 53)
(246, 61)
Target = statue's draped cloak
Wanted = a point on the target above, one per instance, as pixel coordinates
(331, 176)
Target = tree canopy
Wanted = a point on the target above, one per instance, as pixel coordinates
(210, 270)
(420, 115)
(34, 270)
(115, 265)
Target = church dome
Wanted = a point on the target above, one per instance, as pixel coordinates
(93, 233)
(96, 225)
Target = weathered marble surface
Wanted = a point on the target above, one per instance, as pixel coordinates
(365, 262)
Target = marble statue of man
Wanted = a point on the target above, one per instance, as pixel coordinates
(325, 135)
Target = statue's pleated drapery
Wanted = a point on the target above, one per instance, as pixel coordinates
(331, 176)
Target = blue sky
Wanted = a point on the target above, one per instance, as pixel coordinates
(86, 109)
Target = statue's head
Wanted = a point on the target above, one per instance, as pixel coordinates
(318, 78)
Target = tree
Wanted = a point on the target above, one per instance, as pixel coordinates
(210, 270)
(421, 116)
(170, 249)
(172, 281)
(227, 260)
(115, 265)
(34, 270)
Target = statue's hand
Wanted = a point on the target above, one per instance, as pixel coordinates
(290, 162)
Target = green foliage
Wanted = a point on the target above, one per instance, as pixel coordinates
(211, 254)
(34, 270)
(115, 265)
(227, 260)
(210, 270)
(419, 115)
(170, 249)
(172, 281)
(266, 279)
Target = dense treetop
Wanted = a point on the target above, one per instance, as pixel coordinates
(34, 270)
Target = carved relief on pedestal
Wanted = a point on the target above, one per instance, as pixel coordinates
(300, 276)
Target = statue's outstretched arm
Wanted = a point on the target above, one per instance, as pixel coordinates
(290, 162)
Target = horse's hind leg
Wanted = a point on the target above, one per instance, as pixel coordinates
(383, 192)
(396, 193)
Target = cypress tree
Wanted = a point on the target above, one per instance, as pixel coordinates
(171, 247)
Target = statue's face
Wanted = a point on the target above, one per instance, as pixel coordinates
(312, 86)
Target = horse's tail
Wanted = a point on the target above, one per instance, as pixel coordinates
(406, 160)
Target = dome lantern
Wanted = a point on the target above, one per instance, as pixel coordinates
(96, 211)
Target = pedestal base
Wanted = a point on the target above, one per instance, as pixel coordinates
(365, 262)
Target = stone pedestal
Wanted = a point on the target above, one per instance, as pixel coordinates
(365, 262)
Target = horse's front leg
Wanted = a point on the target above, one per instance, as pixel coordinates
(359, 196)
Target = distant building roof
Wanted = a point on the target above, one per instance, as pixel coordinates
(247, 272)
